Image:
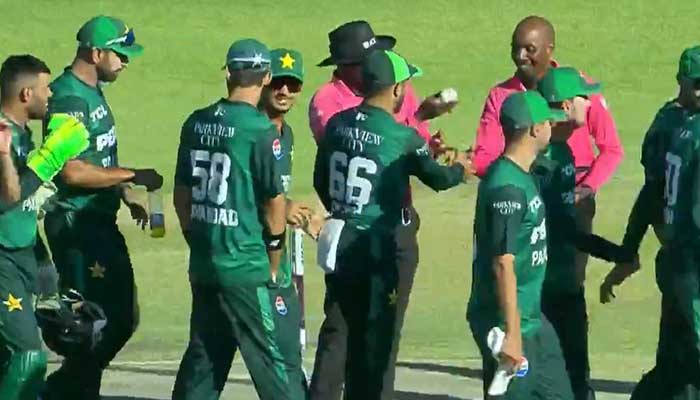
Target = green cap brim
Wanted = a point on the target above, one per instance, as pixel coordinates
(135, 50)
(415, 71)
(558, 115)
(591, 88)
(291, 74)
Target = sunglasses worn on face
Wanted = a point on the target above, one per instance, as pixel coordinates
(292, 84)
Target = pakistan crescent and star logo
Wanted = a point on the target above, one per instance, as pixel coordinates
(393, 296)
(287, 61)
(13, 303)
(97, 271)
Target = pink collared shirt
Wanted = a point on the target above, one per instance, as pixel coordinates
(335, 96)
(599, 125)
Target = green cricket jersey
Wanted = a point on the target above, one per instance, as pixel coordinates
(682, 185)
(87, 104)
(363, 165)
(509, 219)
(229, 155)
(284, 274)
(18, 224)
(555, 171)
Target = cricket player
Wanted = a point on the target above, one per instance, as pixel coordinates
(278, 98)
(24, 94)
(532, 50)
(563, 300)
(230, 202)
(349, 44)
(510, 258)
(88, 250)
(361, 175)
(666, 197)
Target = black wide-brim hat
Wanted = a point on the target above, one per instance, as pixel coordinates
(351, 42)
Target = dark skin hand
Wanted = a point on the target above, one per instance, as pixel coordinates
(532, 47)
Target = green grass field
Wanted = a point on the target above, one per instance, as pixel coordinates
(631, 46)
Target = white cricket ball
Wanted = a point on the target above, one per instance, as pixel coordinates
(448, 95)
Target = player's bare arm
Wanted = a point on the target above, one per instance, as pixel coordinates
(276, 219)
(506, 289)
(9, 180)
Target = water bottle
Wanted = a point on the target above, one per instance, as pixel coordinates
(156, 217)
(503, 374)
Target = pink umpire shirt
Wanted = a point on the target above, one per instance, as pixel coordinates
(336, 96)
(594, 170)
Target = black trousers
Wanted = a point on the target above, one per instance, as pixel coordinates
(329, 367)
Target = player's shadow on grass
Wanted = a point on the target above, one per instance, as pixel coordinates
(599, 385)
(401, 395)
(126, 398)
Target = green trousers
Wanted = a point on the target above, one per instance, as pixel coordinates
(287, 312)
(676, 375)
(22, 361)
(567, 314)
(223, 320)
(91, 256)
(365, 283)
(547, 378)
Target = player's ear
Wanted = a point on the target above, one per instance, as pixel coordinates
(25, 95)
(96, 55)
(567, 105)
(267, 79)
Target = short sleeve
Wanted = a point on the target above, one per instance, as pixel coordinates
(266, 165)
(505, 212)
(74, 106)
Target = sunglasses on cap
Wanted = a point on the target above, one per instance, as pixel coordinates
(126, 39)
(292, 84)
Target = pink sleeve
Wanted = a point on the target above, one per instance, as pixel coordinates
(489, 136)
(320, 111)
(610, 153)
(411, 102)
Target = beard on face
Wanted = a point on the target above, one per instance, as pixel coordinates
(37, 108)
(107, 75)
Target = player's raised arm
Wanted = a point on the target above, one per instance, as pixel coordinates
(436, 176)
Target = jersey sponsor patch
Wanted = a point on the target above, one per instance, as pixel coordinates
(507, 207)
(280, 306)
(277, 149)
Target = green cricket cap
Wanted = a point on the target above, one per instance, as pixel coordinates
(382, 68)
(287, 62)
(248, 54)
(103, 32)
(565, 83)
(522, 110)
(689, 64)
